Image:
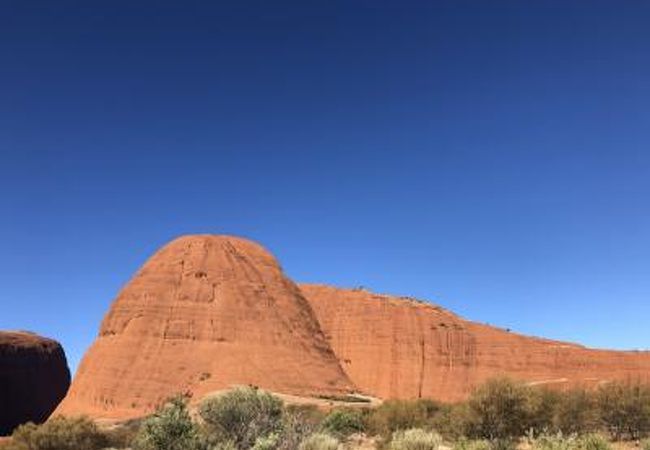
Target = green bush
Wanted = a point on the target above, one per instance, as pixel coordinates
(59, 433)
(395, 415)
(499, 410)
(343, 423)
(415, 439)
(319, 441)
(472, 444)
(170, 428)
(242, 416)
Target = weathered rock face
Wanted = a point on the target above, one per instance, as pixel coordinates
(203, 314)
(394, 347)
(34, 378)
(209, 312)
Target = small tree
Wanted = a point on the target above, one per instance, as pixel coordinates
(170, 428)
(499, 410)
(242, 416)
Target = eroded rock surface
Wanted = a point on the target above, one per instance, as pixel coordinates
(203, 314)
(206, 313)
(34, 378)
(396, 347)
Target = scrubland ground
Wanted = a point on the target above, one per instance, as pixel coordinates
(501, 415)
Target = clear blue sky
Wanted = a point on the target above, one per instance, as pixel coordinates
(493, 157)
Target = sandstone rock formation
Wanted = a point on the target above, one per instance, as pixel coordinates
(34, 378)
(396, 347)
(203, 314)
(209, 312)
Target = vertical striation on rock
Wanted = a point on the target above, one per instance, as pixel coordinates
(396, 347)
(203, 314)
(34, 378)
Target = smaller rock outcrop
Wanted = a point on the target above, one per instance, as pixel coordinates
(34, 378)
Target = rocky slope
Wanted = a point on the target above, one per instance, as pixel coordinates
(34, 378)
(203, 314)
(396, 347)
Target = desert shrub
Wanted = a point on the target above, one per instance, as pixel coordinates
(593, 441)
(395, 415)
(541, 407)
(415, 439)
(625, 409)
(560, 441)
(306, 413)
(170, 428)
(226, 445)
(429, 407)
(452, 421)
(269, 442)
(297, 424)
(472, 444)
(499, 410)
(576, 412)
(503, 444)
(242, 416)
(59, 433)
(123, 435)
(557, 441)
(319, 441)
(343, 423)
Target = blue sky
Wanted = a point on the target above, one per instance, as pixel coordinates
(492, 157)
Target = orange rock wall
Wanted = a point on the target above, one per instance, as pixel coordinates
(394, 347)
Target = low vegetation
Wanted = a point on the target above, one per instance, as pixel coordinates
(415, 439)
(59, 433)
(319, 441)
(500, 415)
(343, 423)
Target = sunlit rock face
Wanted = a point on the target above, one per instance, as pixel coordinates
(398, 347)
(203, 314)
